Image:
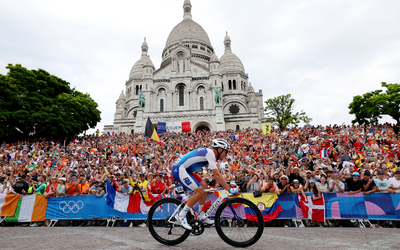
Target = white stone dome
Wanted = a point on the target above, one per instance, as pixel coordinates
(214, 58)
(187, 30)
(137, 68)
(230, 62)
(250, 89)
(122, 96)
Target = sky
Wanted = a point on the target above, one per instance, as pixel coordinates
(321, 52)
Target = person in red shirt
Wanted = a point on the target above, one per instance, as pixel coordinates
(157, 186)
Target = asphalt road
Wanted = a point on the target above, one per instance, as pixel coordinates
(140, 238)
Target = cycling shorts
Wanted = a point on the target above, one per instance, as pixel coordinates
(189, 180)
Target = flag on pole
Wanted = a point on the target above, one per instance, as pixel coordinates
(150, 132)
(313, 209)
(30, 208)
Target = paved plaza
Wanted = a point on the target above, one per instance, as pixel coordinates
(140, 238)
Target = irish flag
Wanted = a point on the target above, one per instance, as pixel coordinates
(8, 204)
(30, 208)
(130, 203)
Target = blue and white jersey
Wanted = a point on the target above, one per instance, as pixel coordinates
(196, 159)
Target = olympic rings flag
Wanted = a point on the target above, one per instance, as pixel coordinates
(77, 207)
(71, 206)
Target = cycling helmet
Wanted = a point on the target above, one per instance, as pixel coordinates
(220, 143)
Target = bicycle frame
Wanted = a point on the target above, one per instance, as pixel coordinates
(213, 206)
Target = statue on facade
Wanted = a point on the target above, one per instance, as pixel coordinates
(142, 100)
(217, 97)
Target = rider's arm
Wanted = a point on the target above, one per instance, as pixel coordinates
(220, 179)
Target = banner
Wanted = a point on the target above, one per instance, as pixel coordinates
(161, 127)
(186, 127)
(175, 127)
(376, 206)
(77, 207)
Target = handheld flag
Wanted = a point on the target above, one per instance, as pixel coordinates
(266, 128)
(150, 132)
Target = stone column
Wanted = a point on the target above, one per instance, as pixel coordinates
(220, 121)
(139, 120)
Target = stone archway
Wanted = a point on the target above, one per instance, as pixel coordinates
(202, 126)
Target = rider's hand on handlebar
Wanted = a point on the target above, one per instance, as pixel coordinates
(233, 191)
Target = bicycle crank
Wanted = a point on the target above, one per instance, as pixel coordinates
(197, 227)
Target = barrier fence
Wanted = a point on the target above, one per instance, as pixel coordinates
(377, 206)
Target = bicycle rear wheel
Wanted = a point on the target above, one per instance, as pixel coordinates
(159, 227)
(239, 231)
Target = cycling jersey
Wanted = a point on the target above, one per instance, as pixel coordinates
(190, 162)
(197, 159)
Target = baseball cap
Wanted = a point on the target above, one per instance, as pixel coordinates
(356, 174)
(397, 172)
(380, 172)
(296, 181)
(367, 173)
(123, 182)
(309, 171)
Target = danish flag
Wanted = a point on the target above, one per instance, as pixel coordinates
(313, 209)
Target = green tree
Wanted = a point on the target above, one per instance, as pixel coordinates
(370, 107)
(280, 112)
(35, 103)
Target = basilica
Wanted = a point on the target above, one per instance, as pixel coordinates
(187, 85)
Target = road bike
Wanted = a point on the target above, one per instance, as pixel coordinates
(238, 221)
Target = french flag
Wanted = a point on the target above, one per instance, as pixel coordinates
(11, 156)
(237, 137)
(129, 203)
(323, 153)
(52, 143)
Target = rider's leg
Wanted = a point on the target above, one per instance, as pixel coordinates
(198, 194)
(203, 199)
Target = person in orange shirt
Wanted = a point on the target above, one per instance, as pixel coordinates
(50, 188)
(84, 187)
(71, 186)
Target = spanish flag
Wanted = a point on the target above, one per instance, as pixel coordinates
(268, 204)
(150, 132)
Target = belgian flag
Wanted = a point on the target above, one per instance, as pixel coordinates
(150, 131)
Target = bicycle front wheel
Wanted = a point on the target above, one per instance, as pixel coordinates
(234, 227)
(159, 222)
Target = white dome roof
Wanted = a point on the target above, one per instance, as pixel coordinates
(137, 68)
(188, 30)
(230, 62)
(250, 89)
(214, 58)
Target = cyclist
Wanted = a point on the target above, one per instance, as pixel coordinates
(183, 172)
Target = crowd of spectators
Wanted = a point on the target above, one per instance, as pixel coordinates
(339, 158)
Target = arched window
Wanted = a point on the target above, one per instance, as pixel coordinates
(234, 84)
(244, 86)
(140, 88)
(241, 85)
(201, 103)
(222, 85)
(230, 84)
(181, 97)
(162, 105)
(237, 127)
(137, 89)
(215, 82)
